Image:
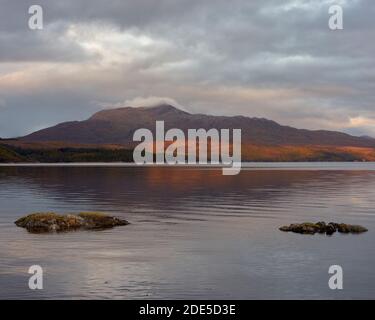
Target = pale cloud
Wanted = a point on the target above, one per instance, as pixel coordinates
(110, 45)
(136, 102)
(362, 122)
(152, 102)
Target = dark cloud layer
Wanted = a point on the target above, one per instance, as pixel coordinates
(275, 59)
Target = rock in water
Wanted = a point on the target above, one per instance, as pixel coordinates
(322, 227)
(355, 229)
(52, 222)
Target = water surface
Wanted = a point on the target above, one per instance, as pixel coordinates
(194, 233)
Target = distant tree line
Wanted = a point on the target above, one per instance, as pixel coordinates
(16, 154)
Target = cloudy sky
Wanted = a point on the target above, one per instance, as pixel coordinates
(263, 58)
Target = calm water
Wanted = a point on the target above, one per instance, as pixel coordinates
(194, 233)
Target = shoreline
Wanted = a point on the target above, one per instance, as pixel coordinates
(339, 166)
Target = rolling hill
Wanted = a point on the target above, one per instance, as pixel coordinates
(107, 136)
(116, 126)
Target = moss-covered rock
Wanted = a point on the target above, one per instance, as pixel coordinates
(96, 220)
(322, 227)
(52, 222)
(352, 229)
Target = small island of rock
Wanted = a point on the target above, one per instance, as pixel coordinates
(322, 227)
(52, 222)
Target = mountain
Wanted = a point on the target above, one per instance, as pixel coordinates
(116, 126)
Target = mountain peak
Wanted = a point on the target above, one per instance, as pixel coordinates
(162, 106)
(163, 109)
(119, 113)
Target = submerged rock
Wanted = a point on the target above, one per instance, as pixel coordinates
(322, 227)
(52, 222)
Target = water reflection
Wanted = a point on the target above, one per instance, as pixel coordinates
(194, 233)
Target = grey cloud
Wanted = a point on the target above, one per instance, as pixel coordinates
(208, 55)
